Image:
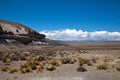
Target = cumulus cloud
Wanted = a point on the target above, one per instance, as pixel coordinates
(80, 35)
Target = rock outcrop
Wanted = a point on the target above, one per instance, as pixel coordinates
(11, 31)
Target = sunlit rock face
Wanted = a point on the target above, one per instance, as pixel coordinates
(11, 31)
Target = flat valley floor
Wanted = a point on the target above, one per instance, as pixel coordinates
(76, 61)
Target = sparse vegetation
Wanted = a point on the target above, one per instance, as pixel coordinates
(50, 68)
(93, 60)
(12, 70)
(6, 59)
(39, 68)
(31, 64)
(55, 62)
(41, 58)
(5, 68)
(84, 61)
(67, 61)
(102, 66)
(25, 70)
(89, 63)
(107, 59)
(35, 61)
(118, 68)
(81, 62)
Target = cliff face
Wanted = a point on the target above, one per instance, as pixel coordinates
(18, 32)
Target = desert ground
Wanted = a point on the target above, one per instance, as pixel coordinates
(75, 61)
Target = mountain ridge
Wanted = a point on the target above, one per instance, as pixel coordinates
(19, 32)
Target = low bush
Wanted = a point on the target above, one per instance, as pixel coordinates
(55, 62)
(5, 68)
(107, 59)
(118, 68)
(84, 61)
(50, 68)
(101, 66)
(66, 61)
(25, 70)
(31, 64)
(12, 70)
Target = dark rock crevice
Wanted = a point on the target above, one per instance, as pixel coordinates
(20, 37)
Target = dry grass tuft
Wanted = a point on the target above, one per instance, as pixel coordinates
(55, 62)
(118, 68)
(5, 68)
(68, 60)
(102, 66)
(25, 70)
(89, 63)
(31, 64)
(84, 61)
(12, 70)
(50, 68)
(107, 59)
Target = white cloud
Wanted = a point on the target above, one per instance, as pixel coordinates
(79, 35)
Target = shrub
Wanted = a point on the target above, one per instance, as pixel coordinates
(72, 60)
(75, 59)
(59, 61)
(25, 70)
(93, 60)
(66, 60)
(39, 67)
(23, 57)
(107, 59)
(118, 68)
(84, 61)
(55, 62)
(41, 58)
(12, 70)
(103, 66)
(5, 68)
(51, 67)
(21, 70)
(23, 66)
(81, 62)
(15, 58)
(89, 63)
(6, 60)
(30, 64)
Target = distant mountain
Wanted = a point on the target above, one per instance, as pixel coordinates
(15, 32)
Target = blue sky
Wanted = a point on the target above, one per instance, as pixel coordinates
(86, 15)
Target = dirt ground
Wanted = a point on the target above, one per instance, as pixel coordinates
(78, 61)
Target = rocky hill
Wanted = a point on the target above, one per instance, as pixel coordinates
(15, 32)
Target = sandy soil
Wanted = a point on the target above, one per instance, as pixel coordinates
(98, 51)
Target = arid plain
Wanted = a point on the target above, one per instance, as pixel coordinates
(74, 61)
